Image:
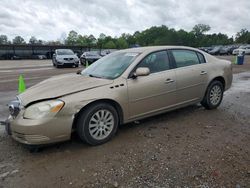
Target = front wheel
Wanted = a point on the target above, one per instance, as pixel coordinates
(97, 124)
(213, 96)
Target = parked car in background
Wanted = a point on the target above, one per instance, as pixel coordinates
(39, 56)
(65, 57)
(122, 87)
(232, 48)
(10, 56)
(242, 49)
(206, 49)
(104, 53)
(89, 57)
(215, 50)
(225, 50)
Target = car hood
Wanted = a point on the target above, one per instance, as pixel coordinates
(58, 86)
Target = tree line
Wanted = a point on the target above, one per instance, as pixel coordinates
(156, 35)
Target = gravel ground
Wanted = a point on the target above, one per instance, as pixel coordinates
(189, 147)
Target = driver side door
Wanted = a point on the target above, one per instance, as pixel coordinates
(155, 92)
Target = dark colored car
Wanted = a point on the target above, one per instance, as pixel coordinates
(206, 49)
(231, 49)
(224, 50)
(218, 50)
(10, 56)
(89, 57)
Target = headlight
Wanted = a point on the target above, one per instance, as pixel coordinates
(43, 109)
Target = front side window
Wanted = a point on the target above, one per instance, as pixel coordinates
(156, 62)
(184, 58)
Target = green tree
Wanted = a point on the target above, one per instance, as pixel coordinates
(33, 40)
(243, 36)
(200, 29)
(110, 45)
(91, 40)
(121, 43)
(101, 40)
(3, 39)
(18, 40)
(82, 40)
(72, 38)
(54, 42)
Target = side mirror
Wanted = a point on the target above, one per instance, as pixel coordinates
(78, 72)
(141, 71)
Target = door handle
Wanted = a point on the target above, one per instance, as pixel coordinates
(203, 72)
(169, 80)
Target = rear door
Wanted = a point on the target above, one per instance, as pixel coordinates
(155, 92)
(191, 75)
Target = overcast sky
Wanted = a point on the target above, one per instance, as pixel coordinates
(52, 19)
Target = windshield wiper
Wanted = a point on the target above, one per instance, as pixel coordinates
(91, 75)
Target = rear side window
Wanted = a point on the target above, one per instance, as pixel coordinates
(201, 57)
(184, 58)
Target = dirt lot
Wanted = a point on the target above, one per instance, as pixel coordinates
(190, 147)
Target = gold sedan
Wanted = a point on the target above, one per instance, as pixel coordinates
(122, 87)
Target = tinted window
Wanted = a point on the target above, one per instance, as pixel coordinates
(185, 58)
(156, 62)
(201, 58)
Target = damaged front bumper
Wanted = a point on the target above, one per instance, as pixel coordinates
(6, 123)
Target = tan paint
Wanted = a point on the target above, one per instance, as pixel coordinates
(141, 97)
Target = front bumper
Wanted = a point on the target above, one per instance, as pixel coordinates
(71, 62)
(39, 132)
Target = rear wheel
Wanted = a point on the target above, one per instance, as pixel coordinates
(213, 96)
(97, 124)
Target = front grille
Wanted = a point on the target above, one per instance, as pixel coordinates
(68, 59)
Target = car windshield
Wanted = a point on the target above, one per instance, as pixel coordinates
(91, 54)
(217, 48)
(242, 47)
(110, 66)
(65, 52)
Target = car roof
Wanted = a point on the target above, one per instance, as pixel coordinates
(63, 49)
(156, 48)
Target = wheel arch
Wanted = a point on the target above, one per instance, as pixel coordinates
(221, 79)
(218, 78)
(115, 104)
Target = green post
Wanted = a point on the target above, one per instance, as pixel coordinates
(235, 60)
(21, 84)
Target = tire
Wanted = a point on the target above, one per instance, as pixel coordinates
(56, 65)
(95, 134)
(213, 96)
